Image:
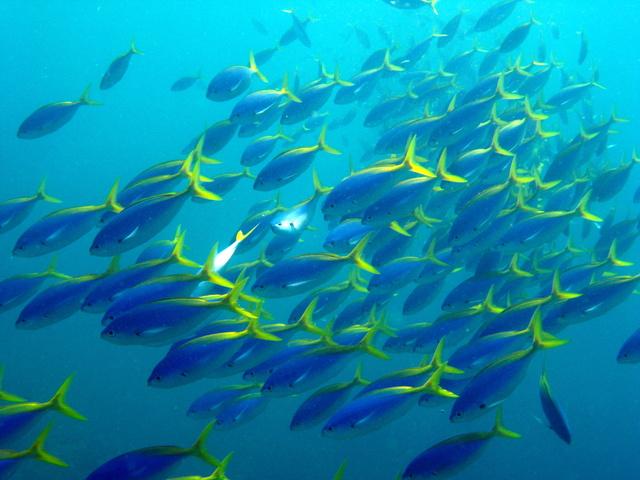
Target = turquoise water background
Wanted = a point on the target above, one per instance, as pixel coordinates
(53, 49)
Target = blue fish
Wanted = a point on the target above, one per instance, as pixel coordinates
(324, 402)
(261, 104)
(153, 462)
(552, 411)
(14, 211)
(450, 456)
(61, 300)
(16, 290)
(305, 272)
(118, 67)
(233, 81)
(53, 116)
(63, 227)
(259, 149)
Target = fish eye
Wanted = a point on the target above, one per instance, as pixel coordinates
(458, 414)
(138, 333)
(184, 374)
(483, 406)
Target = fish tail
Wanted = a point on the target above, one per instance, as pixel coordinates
(531, 113)
(85, 100)
(444, 174)
(339, 81)
(434, 7)
(286, 91)
(323, 72)
(209, 271)
(256, 331)
(253, 66)
(322, 143)
(356, 282)
(176, 253)
(557, 291)
(502, 93)
(422, 217)
(318, 188)
(431, 256)
(519, 70)
(221, 469)
(437, 361)
(582, 209)
(513, 170)
(516, 270)
(409, 161)
(246, 172)
(58, 401)
(366, 344)
(199, 448)
(499, 430)
(52, 270)
(396, 227)
(111, 203)
(495, 118)
(542, 339)
(133, 49)
(488, 304)
(411, 94)
(387, 65)
(196, 188)
(358, 379)
(432, 385)
(38, 452)
(306, 322)
(612, 257)
(41, 194)
(231, 299)
(497, 148)
(196, 155)
(540, 184)
(282, 136)
(545, 134)
(356, 256)
(616, 119)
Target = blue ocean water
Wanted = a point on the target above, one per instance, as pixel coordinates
(53, 49)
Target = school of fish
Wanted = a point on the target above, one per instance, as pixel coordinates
(455, 237)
